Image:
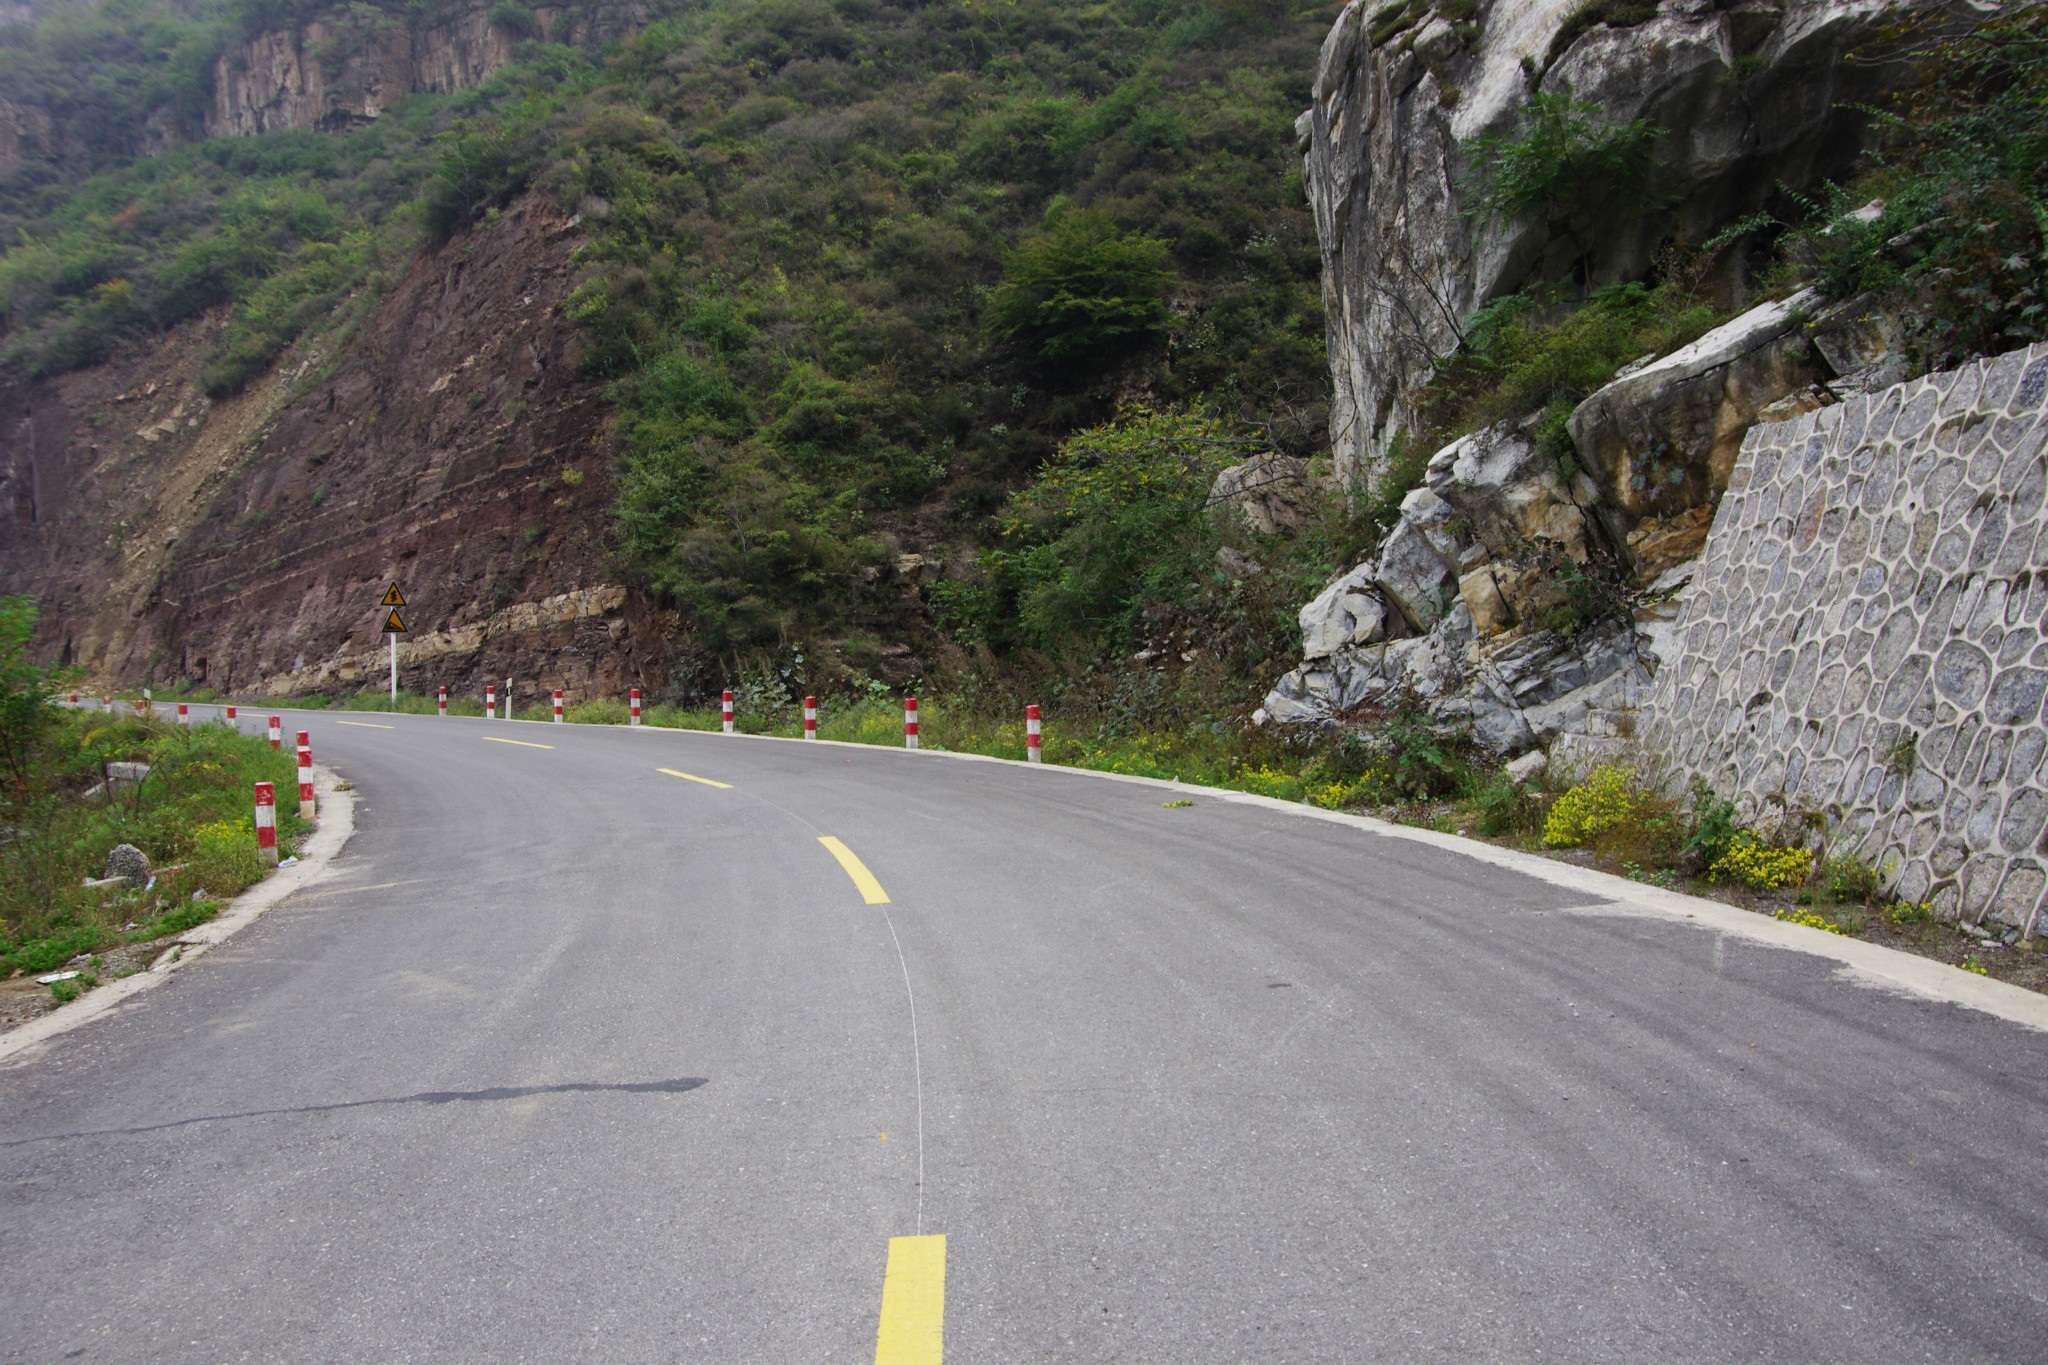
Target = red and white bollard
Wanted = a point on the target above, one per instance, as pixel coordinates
(636, 705)
(266, 823)
(277, 732)
(1034, 737)
(231, 713)
(441, 702)
(184, 716)
(490, 700)
(910, 722)
(74, 699)
(305, 777)
(810, 717)
(558, 706)
(107, 705)
(728, 711)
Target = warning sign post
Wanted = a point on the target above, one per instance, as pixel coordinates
(394, 626)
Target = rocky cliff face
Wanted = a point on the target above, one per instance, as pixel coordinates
(1456, 613)
(336, 72)
(1751, 93)
(346, 69)
(449, 445)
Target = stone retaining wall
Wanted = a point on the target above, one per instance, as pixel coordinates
(1864, 634)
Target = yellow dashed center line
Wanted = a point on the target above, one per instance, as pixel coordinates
(520, 742)
(692, 777)
(913, 1300)
(870, 889)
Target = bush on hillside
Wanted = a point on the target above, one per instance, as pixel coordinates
(1082, 289)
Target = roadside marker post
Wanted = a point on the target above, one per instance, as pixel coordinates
(490, 700)
(728, 710)
(266, 823)
(305, 777)
(277, 732)
(107, 705)
(441, 702)
(810, 717)
(1034, 737)
(910, 722)
(74, 699)
(636, 705)
(184, 716)
(558, 706)
(231, 713)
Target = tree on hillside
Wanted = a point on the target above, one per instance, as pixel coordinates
(1082, 288)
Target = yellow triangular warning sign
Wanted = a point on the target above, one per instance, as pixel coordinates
(392, 597)
(393, 625)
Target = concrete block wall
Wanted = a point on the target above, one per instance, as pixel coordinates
(1866, 634)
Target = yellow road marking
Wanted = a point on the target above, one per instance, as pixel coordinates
(913, 1303)
(520, 742)
(690, 777)
(871, 890)
(363, 724)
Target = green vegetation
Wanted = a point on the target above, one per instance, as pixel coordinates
(1957, 247)
(191, 815)
(1566, 165)
(1082, 288)
(858, 270)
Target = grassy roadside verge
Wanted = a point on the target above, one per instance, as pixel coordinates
(190, 814)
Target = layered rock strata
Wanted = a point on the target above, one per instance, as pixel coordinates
(1866, 636)
(449, 445)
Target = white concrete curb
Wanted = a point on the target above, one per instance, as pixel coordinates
(337, 823)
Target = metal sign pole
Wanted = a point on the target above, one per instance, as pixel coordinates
(394, 670)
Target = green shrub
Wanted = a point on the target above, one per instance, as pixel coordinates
(1081, 288)
(1849, 879)
(1607, 797)
(1507, 807)
(1566, 163)
(1957, 247)
(1751, 861)
(224, 857)
(1713, 826)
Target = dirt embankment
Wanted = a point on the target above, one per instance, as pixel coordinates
(448, 445)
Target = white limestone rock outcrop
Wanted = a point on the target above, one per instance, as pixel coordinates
(1753, 94)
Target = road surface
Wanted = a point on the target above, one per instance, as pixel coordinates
(577, 1057)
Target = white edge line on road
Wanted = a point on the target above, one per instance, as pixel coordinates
(337, 822)
(1866, 964)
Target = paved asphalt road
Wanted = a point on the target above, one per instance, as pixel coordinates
(573, 1059)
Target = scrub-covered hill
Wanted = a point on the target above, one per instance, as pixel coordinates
(845, 275)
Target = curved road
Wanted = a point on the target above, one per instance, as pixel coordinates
(574, 1058)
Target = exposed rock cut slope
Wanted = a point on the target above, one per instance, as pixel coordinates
(449, 446)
